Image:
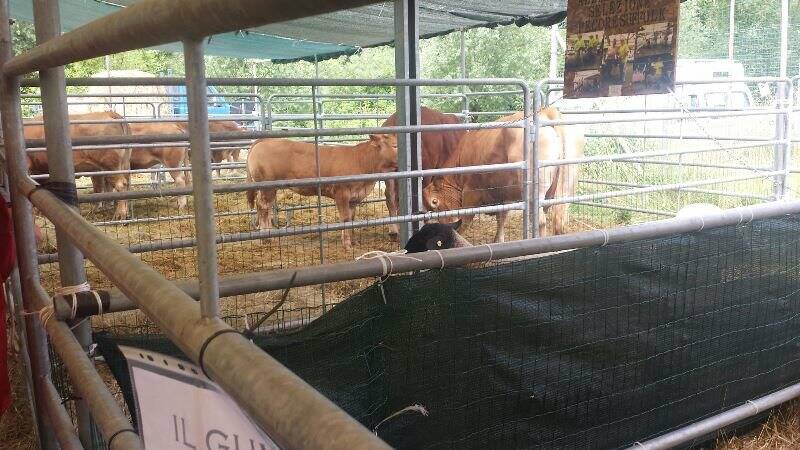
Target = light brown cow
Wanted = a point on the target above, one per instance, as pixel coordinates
(436, 149)
(171, 157)
(497, 146)
(219, 126)
(91, 160)
(283, 159)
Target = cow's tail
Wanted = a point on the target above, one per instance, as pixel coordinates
(125, 127)
(251, 193)
(552, 113)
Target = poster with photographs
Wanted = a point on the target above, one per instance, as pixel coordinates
(620, 47)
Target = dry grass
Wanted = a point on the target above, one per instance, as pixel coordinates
(16, 424)
(781, 431)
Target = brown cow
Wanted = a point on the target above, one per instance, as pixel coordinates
(219, 126)
(436, 149)
(283, 159)
(505, 145)
(171, 157)
(91, 160)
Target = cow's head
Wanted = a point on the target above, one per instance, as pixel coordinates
(436, 236)
(386, 144)
(442, 195)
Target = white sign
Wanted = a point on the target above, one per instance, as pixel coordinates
(180, 409)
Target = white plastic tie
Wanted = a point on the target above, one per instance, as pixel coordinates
(606, 237)
(441, 258)
(491, 253)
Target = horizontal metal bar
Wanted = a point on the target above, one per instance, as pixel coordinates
(696, 164)
(391, 97)
(692, 190)
(658, 188)
(214, 166)
(173, 244)
(220, 145)
(227, 136)
(710, 425)
(140, 94)
(679, 137)
(167, 119)
(290, 411)
(626, 156)
(456, 257)
(282, 184)
(251, 283)
(690, 82)
(286, 82)
(657, 110)
(654, 212)
(720, 115)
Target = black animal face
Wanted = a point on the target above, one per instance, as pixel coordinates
(436, 236)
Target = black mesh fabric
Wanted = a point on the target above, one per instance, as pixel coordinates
(599, 347)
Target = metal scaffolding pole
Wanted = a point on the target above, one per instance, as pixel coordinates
(731, 28)
(406, 15)
(783, 102)
(201, 177)
(36, 339)
(47, 21)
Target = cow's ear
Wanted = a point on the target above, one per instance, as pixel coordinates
(376, 138)
(457, 225)
(435, 243)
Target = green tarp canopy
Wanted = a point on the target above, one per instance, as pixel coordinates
(334, 34)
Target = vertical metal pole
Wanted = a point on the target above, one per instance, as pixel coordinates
(406, 57)
(731, 28)
(14, 146)
(553, 52)
(784, 38)
(534, 164)
(319, 109)
(783, 100)
(196, 93)
(47, 20)
(526, 152)
(464, 75)
(319, 192)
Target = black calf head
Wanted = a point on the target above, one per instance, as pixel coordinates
(436, 236)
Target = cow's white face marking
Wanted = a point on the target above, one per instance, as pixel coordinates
(438, 243)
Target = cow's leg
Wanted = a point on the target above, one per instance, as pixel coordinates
(345, 213)
(179, 179)
(560, 217)
(120, 184)
(98, 186)
(352, 217)
(264, 200)
(392, 204)
(502, 219)
(174, 161)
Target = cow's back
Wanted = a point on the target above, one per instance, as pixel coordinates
(144, 158)
(85, 160)
(437, 146)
